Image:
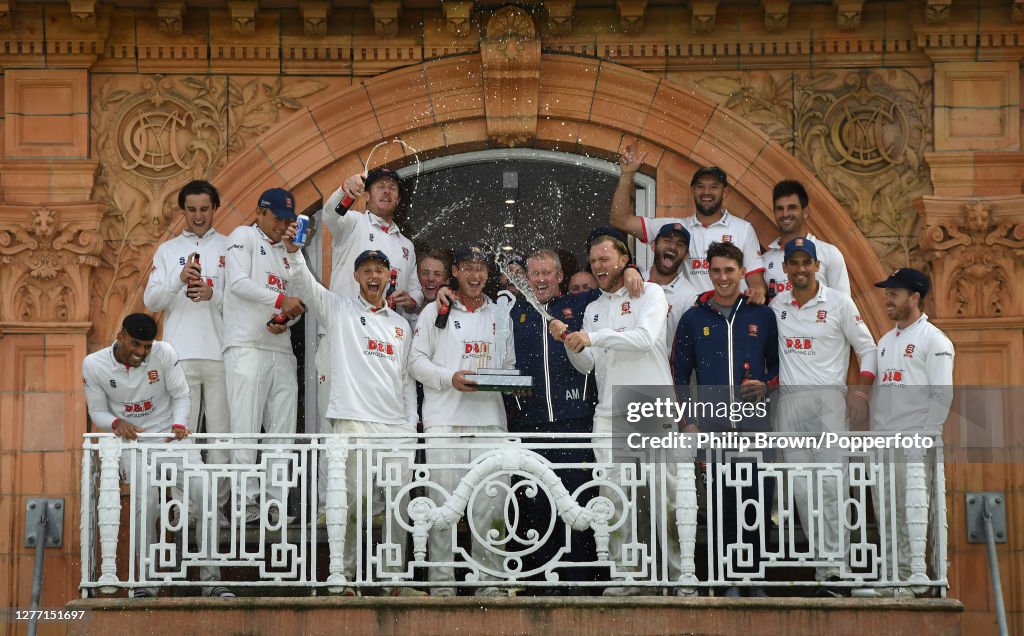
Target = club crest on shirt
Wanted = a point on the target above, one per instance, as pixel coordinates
(522, 318)
(822, 315)
(909, 351)
(752, 330)
(707, 331)
(399, 333)
(625, 308)
(566, 313)
(405, 253)
(286, 265)
(154, 376)
(727, 238)
(220, 262)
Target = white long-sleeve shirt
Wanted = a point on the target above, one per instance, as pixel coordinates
(832, 271)
(258, 273)
(728, 229)
(356, 232)
(370, 350)
(153, 396)
(680, 295)
(914, 385)
(194, 329)
(468, 342)
(815, 339)
(627, 343)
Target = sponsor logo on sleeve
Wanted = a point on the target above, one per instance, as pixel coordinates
(944, 353)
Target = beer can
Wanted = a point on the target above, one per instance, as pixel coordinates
(301, 230)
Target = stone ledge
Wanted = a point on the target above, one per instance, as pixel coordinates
(469, 615)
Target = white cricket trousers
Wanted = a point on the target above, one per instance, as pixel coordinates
(444, 447)
(811, 412)
(263, 394)
(207, 386)
(371, 478)
(625, 541)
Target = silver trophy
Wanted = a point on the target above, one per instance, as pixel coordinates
(504, 380)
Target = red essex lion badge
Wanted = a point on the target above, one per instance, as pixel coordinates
(625, 308)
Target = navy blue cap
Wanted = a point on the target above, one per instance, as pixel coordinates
(372, 255)
(908, 278)
(673, 228)
(714, 171)
(380, 173)
(280, 202)
(800, 244)
(467, 252)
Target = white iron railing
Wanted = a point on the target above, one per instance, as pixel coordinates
(659, 513)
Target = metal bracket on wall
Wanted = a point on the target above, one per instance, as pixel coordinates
(54, 532)
(977, 502)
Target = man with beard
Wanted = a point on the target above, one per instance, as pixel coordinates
(623, 342)
(134, 386)
(790, 203)
(817, 326)
(670, 250)
(912, 394)
(562, 401)
(370, 345)
(453, 408)
(258, 356)
(711, 223)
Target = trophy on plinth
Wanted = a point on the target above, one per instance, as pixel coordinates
(504, 380)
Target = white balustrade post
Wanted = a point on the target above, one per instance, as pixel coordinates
(916, 514)
(336, 508)
(686, 518)
(88, 549)
(109, 511)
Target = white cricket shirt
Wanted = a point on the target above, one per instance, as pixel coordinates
(832, 270)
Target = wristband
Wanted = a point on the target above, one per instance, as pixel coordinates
(115, 424)
(861, 394)
(280, 299)
(181, 426)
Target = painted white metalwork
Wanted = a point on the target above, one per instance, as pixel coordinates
(639, 500)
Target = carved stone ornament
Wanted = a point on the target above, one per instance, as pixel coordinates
(631, 15)
(169, 15)
(47, 261)
(385, 17)
(776, 15)
(560, 16)
(314, 17)
(510, 52)
(243, 16)
(5, 14)
(937, 11)
(457, 16)
(848, 14)
(83, 14)
(702, 16)
(978, 259)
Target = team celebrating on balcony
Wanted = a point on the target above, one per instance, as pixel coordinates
(713, 313)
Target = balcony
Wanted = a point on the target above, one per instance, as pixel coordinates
(649, 521)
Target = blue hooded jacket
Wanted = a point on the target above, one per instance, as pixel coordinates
(720, 351)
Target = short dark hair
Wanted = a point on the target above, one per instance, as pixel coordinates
(790, 187)
(439, 254)
(139, 326)
(725, 250)
(199, 187)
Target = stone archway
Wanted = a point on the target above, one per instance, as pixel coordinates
(585, 106)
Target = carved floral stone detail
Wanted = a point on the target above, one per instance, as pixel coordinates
(170, 15)
(560, 16)
(511, 66)
(977, 262)
(154, 134)
(937, 11)
(864, 133)
(47, 262)
(631, 15)
(314, 17)
(457, 16)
